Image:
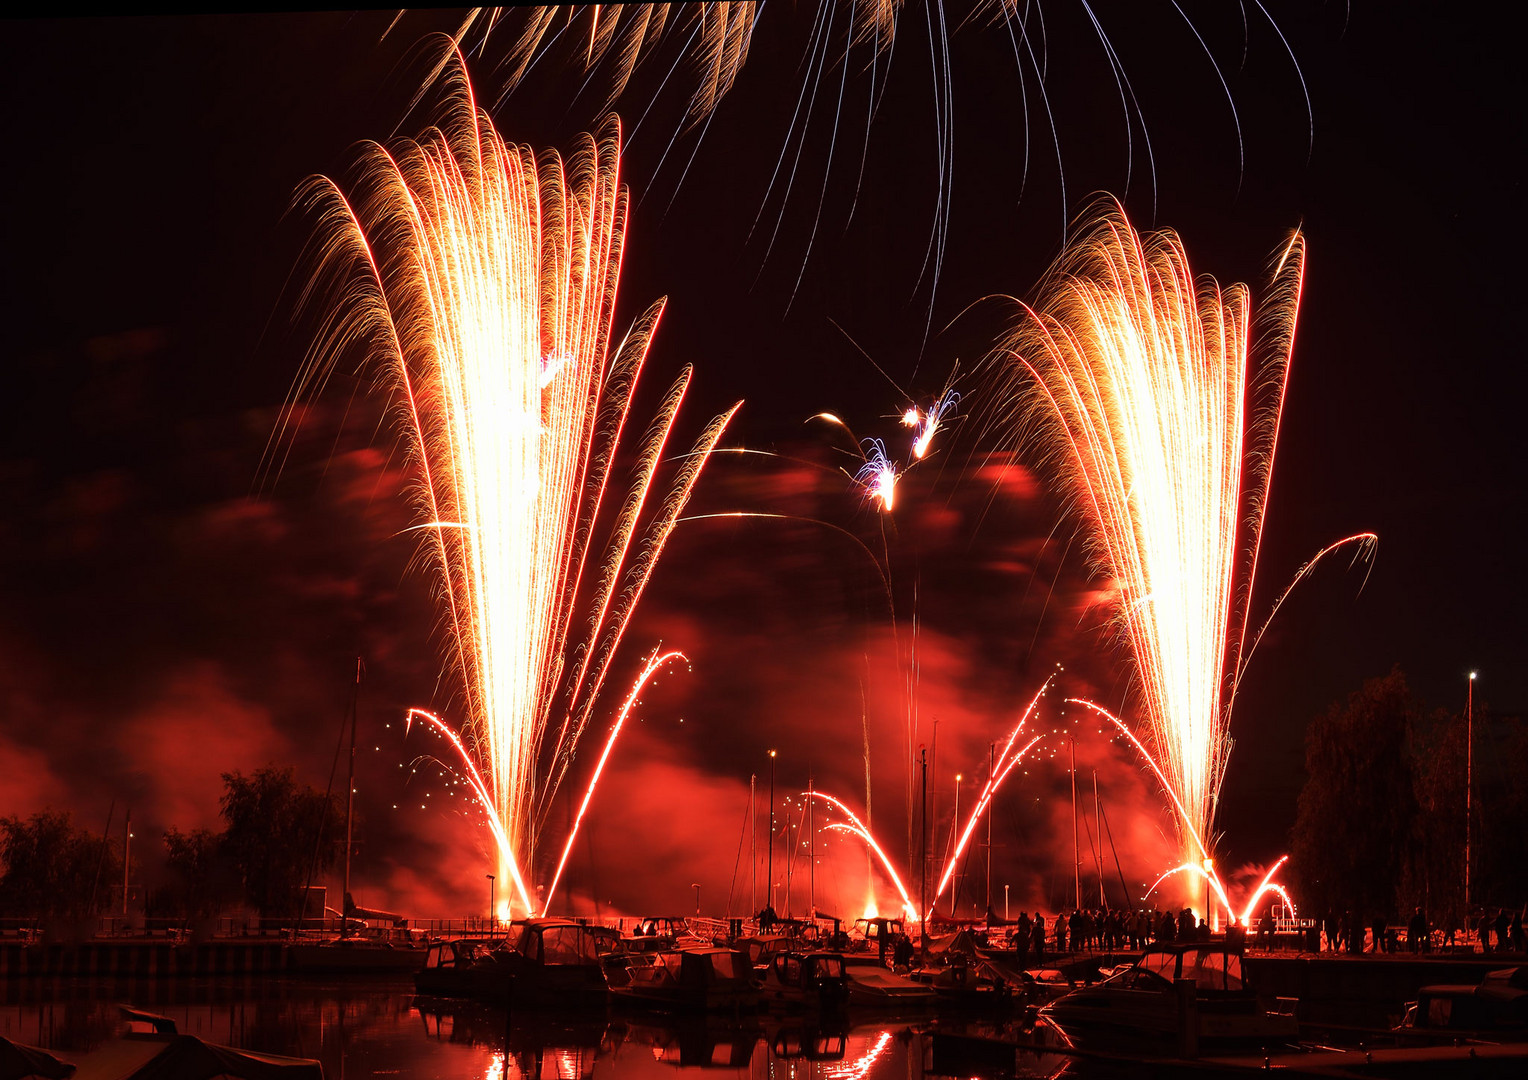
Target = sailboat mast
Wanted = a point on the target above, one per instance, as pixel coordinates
(1098, 857)
(811, 847)
(1076, 850)
(990, 748)
(753, 847)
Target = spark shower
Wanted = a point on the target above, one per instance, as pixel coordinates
(481, 278)
(1161, 395)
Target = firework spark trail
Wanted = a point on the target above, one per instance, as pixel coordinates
(928, 422)
(981, 805)
(857, 828)
(1145, 376)
(1266, 886)
(625, 34)
(1000, 769)
(486, 279)
(878, 476)
(648, 671)
(1207, 873)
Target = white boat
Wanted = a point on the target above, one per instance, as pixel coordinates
(872, 985)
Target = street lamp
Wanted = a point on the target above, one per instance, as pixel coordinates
(696, 886)
(1469, 782)
(1005, 903)
(491, 916)
(770, 872)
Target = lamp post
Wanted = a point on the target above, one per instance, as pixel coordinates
(769, 884)
(696, 886)
(1005, 903)
(1469, 782)
(492, 917)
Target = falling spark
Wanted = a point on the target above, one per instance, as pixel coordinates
(621, 36)
(483, 278)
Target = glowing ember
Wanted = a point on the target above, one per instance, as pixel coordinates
(484, 278)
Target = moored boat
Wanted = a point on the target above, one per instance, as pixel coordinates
(874, 986)
(1195, 991)
(690, 980)
(543, 963)
(809, 981)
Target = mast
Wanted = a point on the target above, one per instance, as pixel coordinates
(127, 857)
(355, 693)
(923, 860)
(1098, 850)
(769, 883)
(1076, 851)
(1469, 784)
(811, 848)
(753, 847)
(932, 797)
(990, 748)
(954, 833)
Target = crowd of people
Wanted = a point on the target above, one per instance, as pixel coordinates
(1091, 930)
(1489, 931)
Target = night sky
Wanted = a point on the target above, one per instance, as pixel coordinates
(172, 609)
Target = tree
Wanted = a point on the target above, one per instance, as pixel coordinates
(274, 829)
(53, 868)
(202, 876)
(1357, 813)
(1434, 875)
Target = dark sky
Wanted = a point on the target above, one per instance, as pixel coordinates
(169, 613)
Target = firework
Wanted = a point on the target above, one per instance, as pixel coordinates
(857, 828)
(483, 280)
(1145, 378)
(927, 423)
(878, 476)
(620, 36)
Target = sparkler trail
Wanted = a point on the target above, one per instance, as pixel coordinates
(483, 279)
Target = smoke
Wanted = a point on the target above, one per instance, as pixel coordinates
(218, 631)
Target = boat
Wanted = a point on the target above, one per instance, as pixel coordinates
(970, 988)
(872, 985)
(658, 933)
(1495, 1007)
(812, 981)
(542, 963)
(690, 980)
(1196, 992)
(371, 951)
